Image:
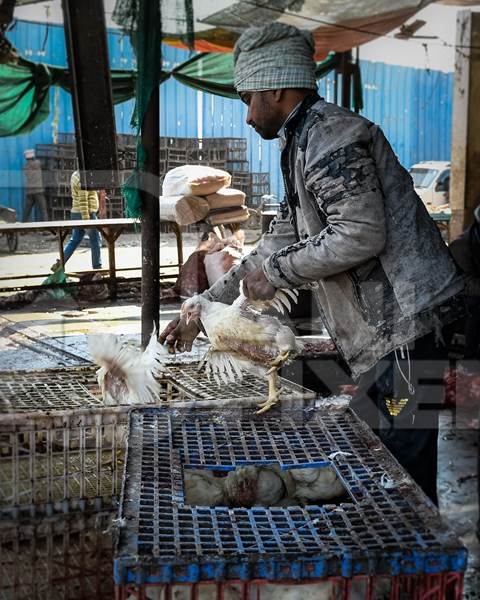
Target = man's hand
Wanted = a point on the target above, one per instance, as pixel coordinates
(257, 287)
(179, 336)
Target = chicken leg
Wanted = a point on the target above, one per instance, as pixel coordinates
(273, 392)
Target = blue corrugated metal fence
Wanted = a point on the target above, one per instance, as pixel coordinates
(413, 106)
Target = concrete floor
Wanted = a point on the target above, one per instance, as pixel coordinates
(48, 335)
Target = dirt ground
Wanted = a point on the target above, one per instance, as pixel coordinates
(52, 333)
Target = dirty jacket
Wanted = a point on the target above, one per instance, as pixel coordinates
(353, 229)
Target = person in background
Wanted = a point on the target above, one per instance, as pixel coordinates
(34, 190)
(85, 206)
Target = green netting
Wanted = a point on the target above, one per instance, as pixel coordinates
(24, 93)
(24, 97)
(24, 88)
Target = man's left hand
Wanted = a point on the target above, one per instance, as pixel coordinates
(257, 287)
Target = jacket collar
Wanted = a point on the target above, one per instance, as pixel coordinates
(294, 118)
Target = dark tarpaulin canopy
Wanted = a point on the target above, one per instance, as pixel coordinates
(24, 88)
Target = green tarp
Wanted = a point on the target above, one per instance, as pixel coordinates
(24, 88)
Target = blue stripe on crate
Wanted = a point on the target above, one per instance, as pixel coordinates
(245, 463)
(288, 568)
(374, 532)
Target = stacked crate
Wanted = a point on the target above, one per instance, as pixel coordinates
(230, 154)
(61, 452)
(61, 448)
(58, 163)
(68, 556)
(61, 465)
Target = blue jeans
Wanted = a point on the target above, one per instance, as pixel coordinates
(78, 235)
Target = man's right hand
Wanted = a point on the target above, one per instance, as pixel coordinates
(179, 336)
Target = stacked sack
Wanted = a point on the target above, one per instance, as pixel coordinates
(193, 193)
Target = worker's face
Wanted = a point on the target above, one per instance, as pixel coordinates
(264, 112)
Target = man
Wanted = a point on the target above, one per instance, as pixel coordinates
(354, 231)
(84, 206)
(34, 191)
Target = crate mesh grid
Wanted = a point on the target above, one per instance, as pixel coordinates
(41, 469)
(185, 543)
(199, 386)
(60, 558)
(412, 587)
(61, 448)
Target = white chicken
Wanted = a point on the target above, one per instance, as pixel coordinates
(316, 484)
(253, 486)
(127, 375)
(202, 488)
(243, 339)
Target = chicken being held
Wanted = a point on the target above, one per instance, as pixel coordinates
(127, 375)
(243, 339)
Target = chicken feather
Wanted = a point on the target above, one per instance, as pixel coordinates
(281, 302)
(127, 375)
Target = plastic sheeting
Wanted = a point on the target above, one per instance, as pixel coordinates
(24, 88)
(337, 25)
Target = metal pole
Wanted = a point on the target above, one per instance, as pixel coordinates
(357, 74)
(91, 91)
(346, 78)
(465, 178)
(150, 201)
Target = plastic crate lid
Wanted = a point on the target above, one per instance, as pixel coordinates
(383, 529)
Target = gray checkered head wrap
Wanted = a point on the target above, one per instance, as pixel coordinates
(273, 57)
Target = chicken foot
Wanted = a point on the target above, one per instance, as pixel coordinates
(273, 392)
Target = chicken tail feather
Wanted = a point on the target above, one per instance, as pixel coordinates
(127, 375)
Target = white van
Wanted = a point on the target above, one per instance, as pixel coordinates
(432, 182)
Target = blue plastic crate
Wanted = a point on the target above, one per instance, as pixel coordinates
(379, 530)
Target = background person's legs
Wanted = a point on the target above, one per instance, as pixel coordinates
(77, 237)
(95, 245)
(41, 202)
(27, 209)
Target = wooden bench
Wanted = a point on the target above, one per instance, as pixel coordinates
(110, 229)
